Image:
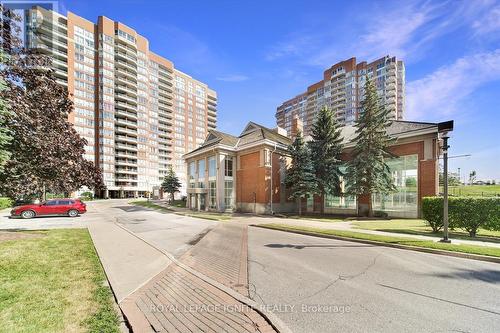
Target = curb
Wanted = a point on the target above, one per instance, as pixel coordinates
(124, 325)
(397, 246)
(270, 317)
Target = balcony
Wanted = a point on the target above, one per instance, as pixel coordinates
(125, 114)
(126, 106)
(125, 138)
(128, 75)
(126, 130)
(125, 122)
(126, 146)
(126, 98)
(125, 65)
(131, 84)
(126, 89)
(128, 57)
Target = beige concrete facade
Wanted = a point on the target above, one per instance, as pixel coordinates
(137, 112)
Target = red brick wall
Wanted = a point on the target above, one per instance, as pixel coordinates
(250, 178)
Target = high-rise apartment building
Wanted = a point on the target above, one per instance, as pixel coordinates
(137, 112)
(342, 89)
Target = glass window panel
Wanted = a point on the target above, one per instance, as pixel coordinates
(404, 171)
(212, 169)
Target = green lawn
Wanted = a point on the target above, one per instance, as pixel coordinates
(419, 227)
(54, 283)
(482, 250)
(209, 216)
(473, 190)
(201, 215)
(316, 218)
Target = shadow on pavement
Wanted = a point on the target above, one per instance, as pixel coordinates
(300, 247)
(485, 275)
(133, 208)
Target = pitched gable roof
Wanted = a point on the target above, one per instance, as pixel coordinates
(254, 132)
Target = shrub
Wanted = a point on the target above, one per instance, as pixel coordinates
(468, 213)
(87, 196)
(432, 212)
(5, 203)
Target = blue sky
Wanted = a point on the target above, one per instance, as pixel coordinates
(256, 54)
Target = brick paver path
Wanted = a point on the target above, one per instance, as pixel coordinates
(223, 256)
(178, 301)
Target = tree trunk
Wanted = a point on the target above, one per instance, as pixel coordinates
(370, 206)
(322, 205)
(300, 206)
(172, 195)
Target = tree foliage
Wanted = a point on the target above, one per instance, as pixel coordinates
(300, 178)
(367, 171)
(5, 138)
(46, 152)
(171, 183)
(326, 149)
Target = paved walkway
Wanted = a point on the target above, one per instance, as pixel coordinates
(177, 301)
(223, 256)
(158, 294)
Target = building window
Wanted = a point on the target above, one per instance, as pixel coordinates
(212, 194)
(192, 174)
(228, 166)
(342, 202)
(228, 194)
(404, 171)
(212, 169)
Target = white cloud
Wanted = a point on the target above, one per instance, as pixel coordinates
(233, 78)
(405, 29)
(439, 93)
(489, 23)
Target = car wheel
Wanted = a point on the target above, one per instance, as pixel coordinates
(73, 213)
(28, 214)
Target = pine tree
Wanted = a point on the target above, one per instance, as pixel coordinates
(300, 178)
(367, 172)
(326, 148)
(171, 183)
(46, 152)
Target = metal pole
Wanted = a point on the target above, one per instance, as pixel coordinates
(445, 189)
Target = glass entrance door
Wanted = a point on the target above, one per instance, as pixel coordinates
(202, 201)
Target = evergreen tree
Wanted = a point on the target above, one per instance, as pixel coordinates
(46, 152)
(171, 183)
(300, 178)
(326, 148)
(367, 171)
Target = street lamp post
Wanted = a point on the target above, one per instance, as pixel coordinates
(444, 128)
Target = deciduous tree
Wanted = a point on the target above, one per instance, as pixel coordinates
(46, 152)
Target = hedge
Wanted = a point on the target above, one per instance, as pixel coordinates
(5, 203)
(468, 213)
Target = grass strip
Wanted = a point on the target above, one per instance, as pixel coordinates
(461, 248)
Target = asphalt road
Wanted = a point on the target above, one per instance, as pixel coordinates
(322, 285)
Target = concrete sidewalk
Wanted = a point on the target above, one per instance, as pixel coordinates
(128, 261)
(159, 293)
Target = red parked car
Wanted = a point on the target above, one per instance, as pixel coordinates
(68, 207)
